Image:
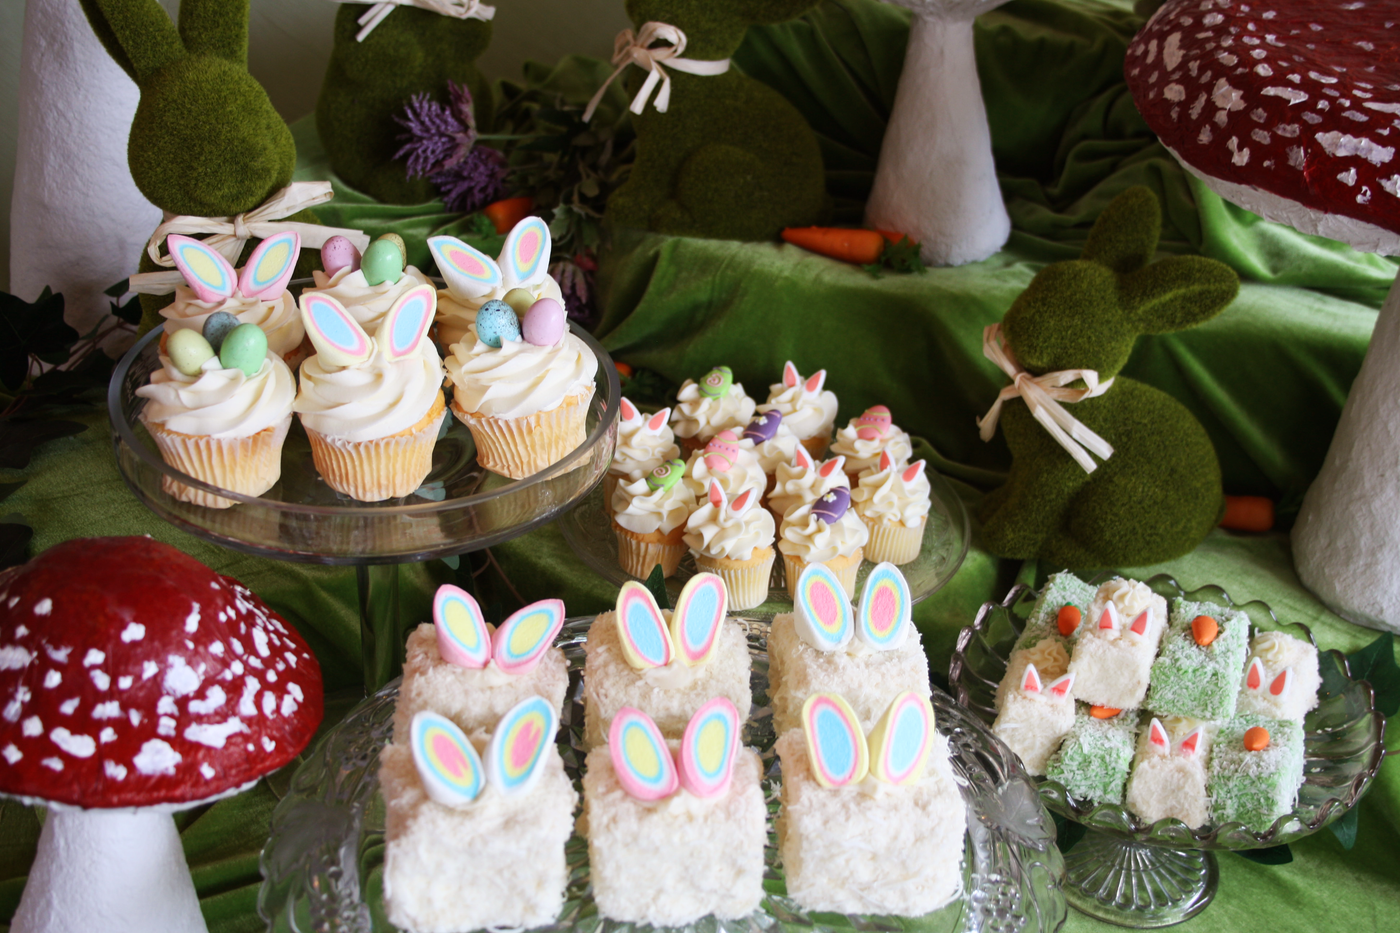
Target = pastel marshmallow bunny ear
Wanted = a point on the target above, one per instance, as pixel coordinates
(207, 273)
(883, 619)
(525, 258)
(516, 753)
(822, 614)
(405, 325)
(646, 642)
(337, 336)
(836, 747)
(462, 636)
(640, 757)
(269, 268)
(696, 620)
(447, 764)
(468, 272)
(901, 741)
(522, 639)
(705, 760)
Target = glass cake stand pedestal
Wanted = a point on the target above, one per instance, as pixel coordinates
(1146, 875)
(459, 508)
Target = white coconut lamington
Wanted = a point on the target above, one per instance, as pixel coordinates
(1117, 643)
(867, 654)
(1050, 632)
(1035, 717)
(1169, 772)
(1281, 678)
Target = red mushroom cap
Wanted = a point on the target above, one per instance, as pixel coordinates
(133, 675)
(1290, 109)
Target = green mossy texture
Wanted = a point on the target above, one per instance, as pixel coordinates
(731, 158)
(367, 83)
(1159, 494)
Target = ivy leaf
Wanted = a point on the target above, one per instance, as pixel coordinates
(19, 438)
(1345, 829)
(14, 542)
(94, 372)
(1273, 855)
(657, 584)
(34, 328)
(1376, 663)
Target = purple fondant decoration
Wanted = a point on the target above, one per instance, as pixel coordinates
(764, 427)
(830, 507)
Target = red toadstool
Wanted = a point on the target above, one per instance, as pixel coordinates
(134, 682)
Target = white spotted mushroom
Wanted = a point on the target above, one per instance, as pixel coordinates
(134, 682)
(1292, 110)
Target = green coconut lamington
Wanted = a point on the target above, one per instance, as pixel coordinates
(1255, 787)
(1094, 758)
(1060, 590)
(1199, 681)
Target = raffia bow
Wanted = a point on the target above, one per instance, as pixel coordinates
(1043, 395)
(457, 9)
(228, 235)
(635, 49)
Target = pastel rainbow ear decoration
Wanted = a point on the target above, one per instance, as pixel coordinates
(205, 271)
(1110, 621)
(912, 471)
(515, 756)
(1191, 745)
(705, 761)
(790, 375)
(822, 613)
(522, 639)
(270, 266)
(525, 258)
(407, 322)
(696, 620)
(659, 420)
(815, 381)
(901, 741)
(1282, 682)
(1060, 686)
(836, 745)
(1030, 680)
(640, 758)
(641, 628)
(884, 616)
(1254, 675)
(447, 764)
(468, 272)
(337, 336)
(1139, 626)
(629, 411)
(1157, 735)
(462, 636)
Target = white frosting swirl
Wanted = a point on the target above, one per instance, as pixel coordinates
(698, 415)
(639, 449)
(1130, 596)
(219, 402)
(718, 532)
(777, 451)
(884, 495)
(811, 538)
(643, 510)
(862, 454)
(1273, 648)
(279, 318)
(518, 378)
(366, 303)
(807, 414)
(799, 485)
(746, 473)
(457, 312)
(370, 400)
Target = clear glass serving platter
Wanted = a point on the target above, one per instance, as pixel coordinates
(1144, 875)
(322, 865)
(588, 529)
(460, 507)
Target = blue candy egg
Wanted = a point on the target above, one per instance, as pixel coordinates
(217, 326)
(496, 322)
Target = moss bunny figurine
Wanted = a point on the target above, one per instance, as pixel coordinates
(1159, 493)
(730, 158)
(411, 51)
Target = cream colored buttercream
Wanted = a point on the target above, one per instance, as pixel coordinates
(219, 402)
(517, 378)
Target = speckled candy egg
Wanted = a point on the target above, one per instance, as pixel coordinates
(244, 348)
(830, 507)
(339, 253)
(217, 326)
(496, 322)
(543, 325)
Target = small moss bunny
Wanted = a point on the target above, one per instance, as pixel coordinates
(367, 84)
(1159, 494)
(730, 158)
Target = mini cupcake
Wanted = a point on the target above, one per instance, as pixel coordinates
(803, 481)
(735, 541)
(371, 407)
(723, 460)
(366, 286)
(771, 442)
(705, 408)
(644, 442)
(863, 440)
(824, 532)
(807, 410)
(649, 516)
(893, 500)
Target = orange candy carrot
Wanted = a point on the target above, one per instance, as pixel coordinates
(1248, 513)
(1204, 629)
(1103, 712)
(622, 368)
(1256, 739)
(861, 247)
(1067, 620)
(509, 212)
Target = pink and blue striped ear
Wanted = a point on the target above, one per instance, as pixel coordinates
(696, 620)
(884, 614)
(208, 273)
(462, 636)
(640, 757)
(705, 761)
(901, 741)
(403, 328)
(336, 335)
(519, 748)
(270, 267)
(641, 629)
(525, 259)
(836, 746)
(523, 638)
(468, 271)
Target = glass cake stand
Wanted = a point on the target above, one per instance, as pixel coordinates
(588, 529)
(323, 863)
(1146, 875)
(459, 508)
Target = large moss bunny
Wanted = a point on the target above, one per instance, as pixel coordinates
(730, 158)
(412, 51)
(1159, 493)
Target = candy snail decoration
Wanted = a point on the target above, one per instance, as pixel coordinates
(666, 476)
(717, 382)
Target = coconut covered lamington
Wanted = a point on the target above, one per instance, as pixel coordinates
(1256, 768)
(1199, 671)
(1112, 659)
(1050, 631)
(1092, 762)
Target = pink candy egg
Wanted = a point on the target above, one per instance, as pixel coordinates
(543, 325)
(338, 253)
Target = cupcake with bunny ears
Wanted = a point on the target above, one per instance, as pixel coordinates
(893, 499)
(644, 442)
(808, 410)
(735, 541)
(866, 437)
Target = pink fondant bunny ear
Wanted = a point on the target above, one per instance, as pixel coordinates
(790, 375)
(1110, 621)
(801, 458)
(1060, 686)
(717, 497)
(885, 460)
(832, 465)
(403, 328)
(1191, 745)
(337, 336)
(1282, 682)
(206, 272)
(1157, 735)
(629, 411)
(742, 504)
(658, 420)
(1139, 626)
(1254, 674)
(525, 258)
(468, 271)
(270, 266)
(913, 471)
(1030, 680)
(816, 381)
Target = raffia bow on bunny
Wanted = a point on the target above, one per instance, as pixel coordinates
(1159, 492)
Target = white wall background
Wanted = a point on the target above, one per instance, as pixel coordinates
(290, 43)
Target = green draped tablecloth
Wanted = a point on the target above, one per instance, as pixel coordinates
(1267, 378)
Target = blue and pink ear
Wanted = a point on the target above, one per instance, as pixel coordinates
(901, 741)
(705, 760)
(885, 607)
(269, 268)
(696, 620)
(821, 612)
(523, 638)
(462, 636)
(836, 746)
(402, 331)
(641, 628)
(640, 757)
(337, 336)
(516, 753)
(468, 271)
(206, 272)
(525, 258)
(447, 763)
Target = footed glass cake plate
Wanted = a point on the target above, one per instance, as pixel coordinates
(1145, 875)
(323, 862)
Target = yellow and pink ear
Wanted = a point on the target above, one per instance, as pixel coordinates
(337, 336)
(525, 258)
(468, 271)
(885, 609)
(705, 760)
(821, 612)
(522, 639)
(516, 754)
(205, 271)
(462, 637)
(448, 766)
(640, 757)
(269, 268)
(401, 332)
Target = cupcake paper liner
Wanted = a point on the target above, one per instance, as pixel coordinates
(638, 553)
(746, 580)
(893, 541)
(383, 468)
(845, 569)
(248, 465)
(521, 447)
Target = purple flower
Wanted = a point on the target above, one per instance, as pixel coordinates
(575, 283)
(440, 145)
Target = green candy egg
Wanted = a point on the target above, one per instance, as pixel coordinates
(244, 348)
(397, 241)
(519, 300)
(382, 262)
(188, 350)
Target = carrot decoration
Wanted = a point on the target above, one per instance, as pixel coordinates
(623, 369)
(875, 250)
(1248, 513)
(506, 213)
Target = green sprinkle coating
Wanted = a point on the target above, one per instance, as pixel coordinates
(1062, 589)
(1202, 682)
(1255, 788)
(1093, 760)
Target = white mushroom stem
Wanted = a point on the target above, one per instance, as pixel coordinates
(118, 871)
(936, 181)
